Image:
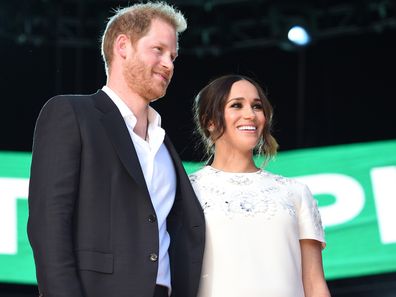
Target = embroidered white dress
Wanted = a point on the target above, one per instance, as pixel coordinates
(254, 222)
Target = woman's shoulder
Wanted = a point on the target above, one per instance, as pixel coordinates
(200, 173)
(282, 180)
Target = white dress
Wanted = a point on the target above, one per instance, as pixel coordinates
(254, 222)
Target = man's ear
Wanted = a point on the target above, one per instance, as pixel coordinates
(121, 45)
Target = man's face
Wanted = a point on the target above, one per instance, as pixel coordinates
(149, 65)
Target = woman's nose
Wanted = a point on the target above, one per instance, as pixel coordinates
(249, 113)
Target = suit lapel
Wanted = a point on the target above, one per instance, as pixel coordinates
(184, 187)
(118, 134)
(172, 151)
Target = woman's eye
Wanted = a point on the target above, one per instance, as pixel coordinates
(258, 106)
(236, 105)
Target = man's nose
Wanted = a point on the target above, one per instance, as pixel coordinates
(167, 62)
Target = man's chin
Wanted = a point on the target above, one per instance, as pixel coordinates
(157, 98)
(158, 94)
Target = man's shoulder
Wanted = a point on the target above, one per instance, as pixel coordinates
(74, 97)
(71, 99)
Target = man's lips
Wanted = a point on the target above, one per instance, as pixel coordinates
(165, 76)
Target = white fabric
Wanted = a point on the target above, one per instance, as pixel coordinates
(254, 222)
(159, 174)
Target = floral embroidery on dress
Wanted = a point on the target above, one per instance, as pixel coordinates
(287, 204)
(251, 194)
(249, 203)
(235, 195)
(193, 178)
(240, 180)
(317, 220)
(278, 178)
(286, 199)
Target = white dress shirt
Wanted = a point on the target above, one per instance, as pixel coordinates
(159, 174)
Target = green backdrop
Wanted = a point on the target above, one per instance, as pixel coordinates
(355, 186)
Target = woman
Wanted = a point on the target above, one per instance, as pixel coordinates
(264, 236)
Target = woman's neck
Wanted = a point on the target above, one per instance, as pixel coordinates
(234, 161)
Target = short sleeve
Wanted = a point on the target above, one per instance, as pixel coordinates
(310, 223)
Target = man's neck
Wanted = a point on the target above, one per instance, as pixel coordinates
(138, 105)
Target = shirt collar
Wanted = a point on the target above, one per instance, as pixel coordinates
(154, 118)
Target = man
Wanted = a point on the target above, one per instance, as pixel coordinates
(111, 210)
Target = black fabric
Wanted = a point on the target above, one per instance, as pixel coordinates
(160, 291)
(89, 208)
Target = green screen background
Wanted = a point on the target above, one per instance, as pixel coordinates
(354, 248)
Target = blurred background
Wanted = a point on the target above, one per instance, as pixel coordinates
(331, 81)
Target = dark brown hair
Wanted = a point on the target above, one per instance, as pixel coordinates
(209, 107)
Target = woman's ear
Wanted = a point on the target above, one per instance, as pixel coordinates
(211, 127)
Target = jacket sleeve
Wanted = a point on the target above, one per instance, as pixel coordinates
(53, 190)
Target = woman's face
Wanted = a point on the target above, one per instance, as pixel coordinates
(244, 118)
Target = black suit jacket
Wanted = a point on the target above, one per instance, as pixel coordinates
(91, 222)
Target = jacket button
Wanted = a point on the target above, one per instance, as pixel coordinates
(152, 218)
(153, 257)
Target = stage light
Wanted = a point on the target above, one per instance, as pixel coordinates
(298, 35)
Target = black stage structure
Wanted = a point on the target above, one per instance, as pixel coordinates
(337, 90)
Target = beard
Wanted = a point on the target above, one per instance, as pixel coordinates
(140, 78)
